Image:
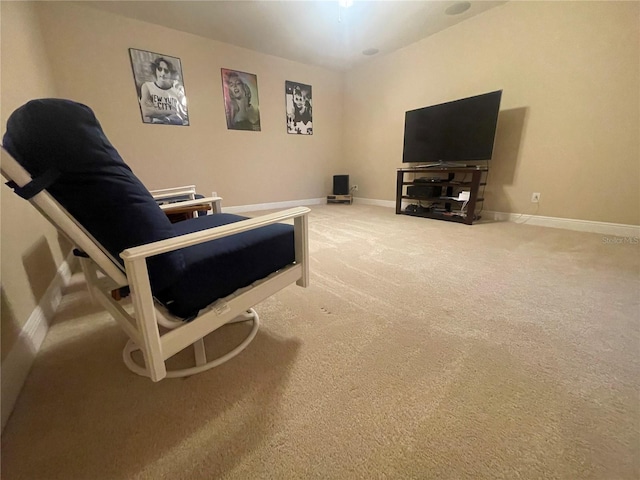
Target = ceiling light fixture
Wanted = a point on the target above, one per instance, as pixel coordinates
(458, 8)
(370, 51)
(343, 5)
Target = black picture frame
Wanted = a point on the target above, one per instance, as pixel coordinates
(241, 101)
(160, 88)
(299, 106)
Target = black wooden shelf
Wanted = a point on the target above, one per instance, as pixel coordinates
(448, 187)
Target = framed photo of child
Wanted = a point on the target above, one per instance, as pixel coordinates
(299, 108)
(160, 88)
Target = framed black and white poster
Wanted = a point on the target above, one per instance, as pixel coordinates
(299, 108)
(241, 103)
(160, 88)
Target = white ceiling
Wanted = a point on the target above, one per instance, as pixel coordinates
(308, 31)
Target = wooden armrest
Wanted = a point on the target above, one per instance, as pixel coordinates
(173, 192)
(176, 243)
(190, 203)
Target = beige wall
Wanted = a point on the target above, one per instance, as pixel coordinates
(92, 66)
(569, 124)
(30, 247)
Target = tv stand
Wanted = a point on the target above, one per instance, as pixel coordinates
(458, 189)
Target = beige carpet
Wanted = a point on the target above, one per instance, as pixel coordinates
(422, 349)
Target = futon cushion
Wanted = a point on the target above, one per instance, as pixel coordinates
(217, 268)
(93, 183)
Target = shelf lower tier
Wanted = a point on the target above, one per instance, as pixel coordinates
(442, 216)
(443, 184)
(436, 199)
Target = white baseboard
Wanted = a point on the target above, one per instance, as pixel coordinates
(297, 203)
(604, 228)
(275, 205)
(377, 203)
(16, 366)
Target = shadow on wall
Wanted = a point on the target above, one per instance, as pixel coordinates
(506, 156)
(64, 244)
(40, 268)
(10, 330)
(21, 337)
(22, 352)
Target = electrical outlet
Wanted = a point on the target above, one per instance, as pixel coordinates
(535, 198)
(354, 188)
(214, 194)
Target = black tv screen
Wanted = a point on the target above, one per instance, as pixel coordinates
(456, 131)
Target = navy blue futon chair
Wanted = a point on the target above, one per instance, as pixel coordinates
(191, 277)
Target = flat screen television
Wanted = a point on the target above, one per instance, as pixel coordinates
(458, 131)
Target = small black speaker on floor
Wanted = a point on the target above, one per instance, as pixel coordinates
(341, 184)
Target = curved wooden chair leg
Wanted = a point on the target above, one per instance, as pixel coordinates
(201, 363)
